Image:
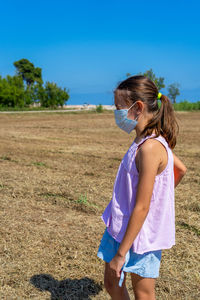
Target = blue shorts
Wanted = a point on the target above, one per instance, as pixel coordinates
(145, 265)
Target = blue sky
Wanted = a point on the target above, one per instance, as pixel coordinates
(88, 46)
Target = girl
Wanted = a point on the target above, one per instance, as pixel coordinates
(140, 218)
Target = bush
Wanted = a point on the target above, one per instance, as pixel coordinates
(99, 108)
(187, 106)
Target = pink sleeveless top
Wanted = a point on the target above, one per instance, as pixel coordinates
(158, 230)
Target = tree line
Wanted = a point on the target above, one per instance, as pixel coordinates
(26, 87)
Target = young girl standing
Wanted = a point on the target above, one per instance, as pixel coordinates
(140, 218)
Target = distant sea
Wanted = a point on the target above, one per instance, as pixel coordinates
(91, 98)
(108, 99)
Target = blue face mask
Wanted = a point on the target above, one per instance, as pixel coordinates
(123, 122)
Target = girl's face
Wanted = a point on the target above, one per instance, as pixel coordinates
(122, 103)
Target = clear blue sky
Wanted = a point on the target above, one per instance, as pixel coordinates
(88, 46)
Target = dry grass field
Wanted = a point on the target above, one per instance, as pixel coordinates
(56, 177)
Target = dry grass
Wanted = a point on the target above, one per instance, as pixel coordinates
(56, 177)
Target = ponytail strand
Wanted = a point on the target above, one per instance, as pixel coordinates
(164, 122)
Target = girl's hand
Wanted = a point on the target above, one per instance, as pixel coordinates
(116, 265)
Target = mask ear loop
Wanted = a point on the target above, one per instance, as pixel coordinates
(130, 108)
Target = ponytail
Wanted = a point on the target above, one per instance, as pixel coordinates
(164, 122)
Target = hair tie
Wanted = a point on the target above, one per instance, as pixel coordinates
(159, 95)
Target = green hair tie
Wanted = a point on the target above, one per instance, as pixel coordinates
(159, 95)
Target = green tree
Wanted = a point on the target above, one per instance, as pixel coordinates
(39, 93)
(29, 73)
(12, 91)
(53, 96)
(173, 91)
(26, 87)
(159, 81)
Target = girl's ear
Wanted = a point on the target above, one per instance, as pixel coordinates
(139, 106)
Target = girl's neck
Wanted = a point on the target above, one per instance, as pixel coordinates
(140, 136)
(143, 121)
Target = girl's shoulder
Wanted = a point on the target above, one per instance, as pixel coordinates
(154, 146)
(152, 152)
(152, 143)
(150, 146)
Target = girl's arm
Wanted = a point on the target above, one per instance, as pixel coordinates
(179, 170)
(149, 161)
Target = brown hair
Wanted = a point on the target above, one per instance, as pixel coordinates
(163, 121)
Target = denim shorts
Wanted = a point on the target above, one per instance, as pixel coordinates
(145, 265)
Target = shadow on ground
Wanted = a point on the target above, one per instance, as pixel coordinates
(68, 289)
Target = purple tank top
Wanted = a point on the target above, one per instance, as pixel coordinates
(158, 230)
